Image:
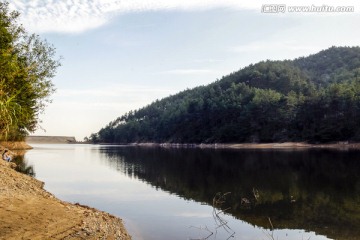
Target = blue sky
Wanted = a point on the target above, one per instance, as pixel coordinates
(122, 55)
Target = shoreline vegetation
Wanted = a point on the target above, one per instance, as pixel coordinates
(285, 145)
(340, 145)
(27, 211)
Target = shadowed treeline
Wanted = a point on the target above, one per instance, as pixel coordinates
(312, 190)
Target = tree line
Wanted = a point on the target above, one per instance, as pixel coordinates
(27, 65)
(313, 99)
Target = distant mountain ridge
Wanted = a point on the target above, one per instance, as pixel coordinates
(313, 99)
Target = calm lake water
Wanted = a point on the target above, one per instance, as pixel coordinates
(168, 193)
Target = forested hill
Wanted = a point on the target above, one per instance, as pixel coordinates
(313, 99)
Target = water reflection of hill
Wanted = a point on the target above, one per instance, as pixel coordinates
(311, 190)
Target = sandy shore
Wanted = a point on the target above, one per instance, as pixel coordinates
(27, 211)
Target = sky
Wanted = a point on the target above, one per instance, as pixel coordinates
(121, 55)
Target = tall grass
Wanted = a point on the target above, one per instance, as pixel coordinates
(10, 112)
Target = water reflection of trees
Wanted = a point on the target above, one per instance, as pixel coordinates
(311, 190)
(22, 166)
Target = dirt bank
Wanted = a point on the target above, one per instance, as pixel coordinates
(27, 211)
(15, 145)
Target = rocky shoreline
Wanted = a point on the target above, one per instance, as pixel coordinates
(27, 211)
(284, 145)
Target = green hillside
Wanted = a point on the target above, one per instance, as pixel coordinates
(314, 99)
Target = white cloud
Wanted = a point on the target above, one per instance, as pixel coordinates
(274, 46)
(117, 97)
(188, 71)
(209, 60)
(78, 112)
(60, 16)
(73, 16)
(114, 91)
